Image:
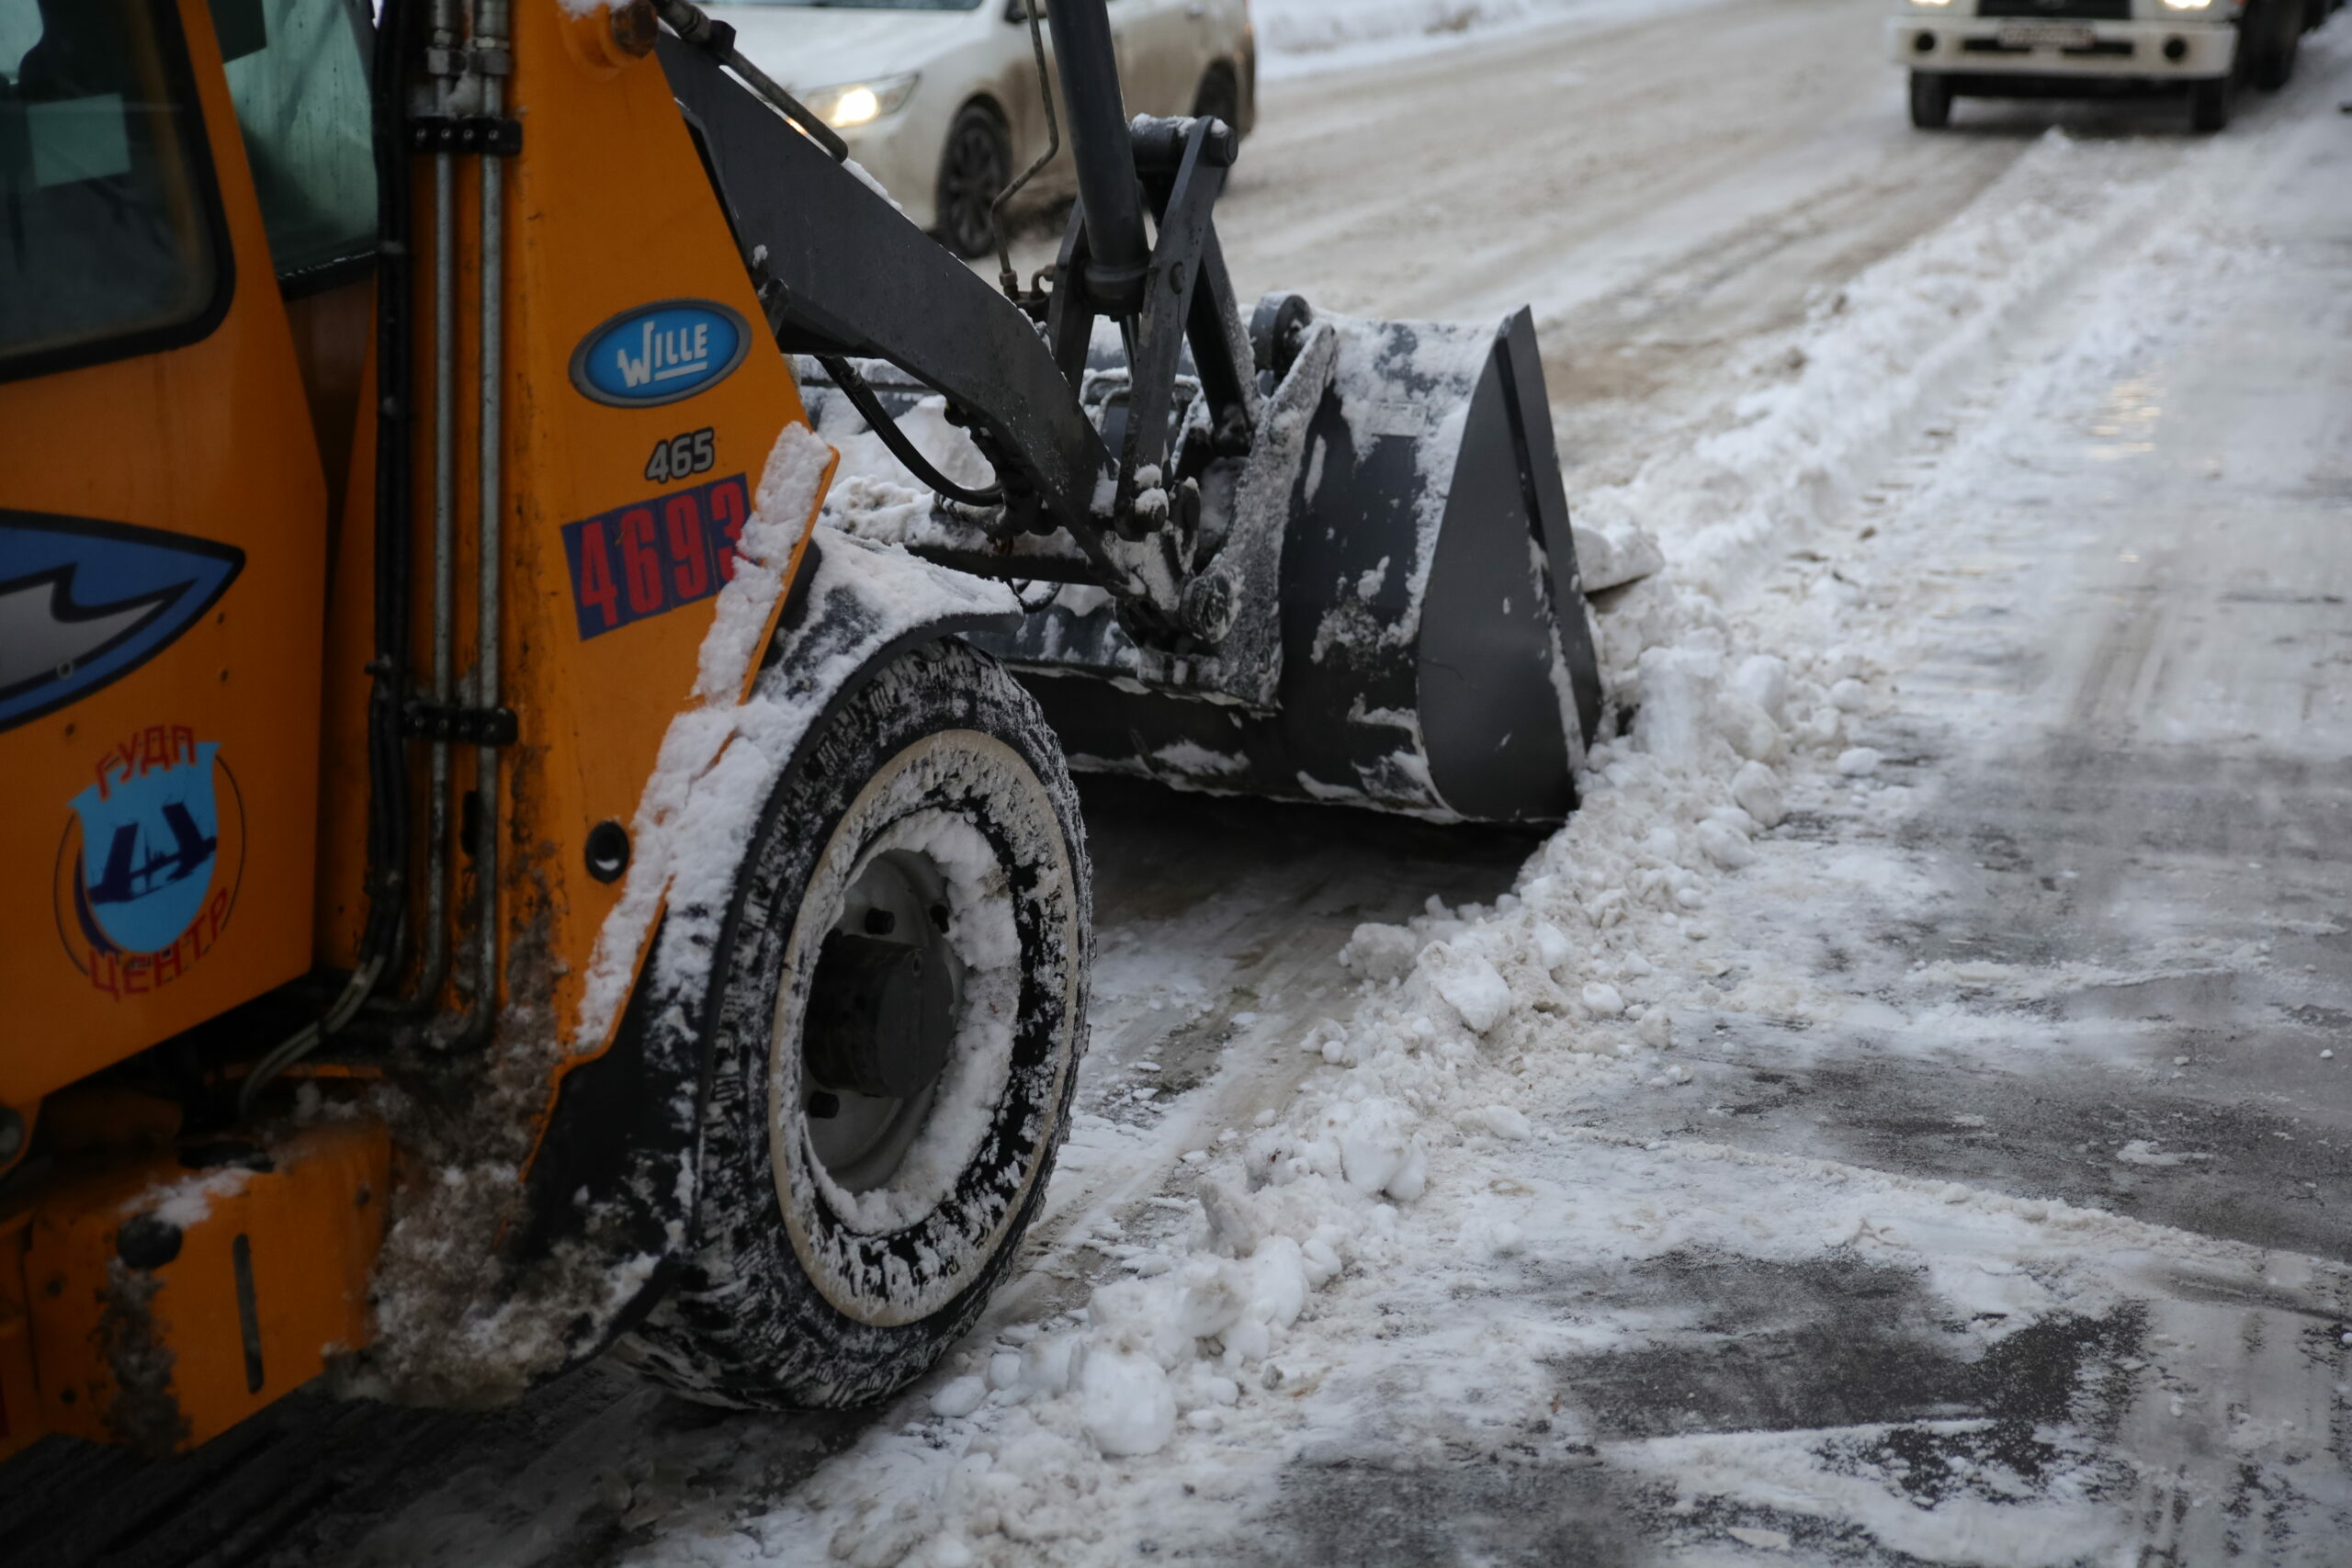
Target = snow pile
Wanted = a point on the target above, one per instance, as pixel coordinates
(1879, 356)
(1303, 36)
(1571, 980)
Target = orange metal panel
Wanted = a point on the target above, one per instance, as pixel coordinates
(608, 210)
(212, 443)
(20, 1422)
(350, 643)
(167, 1304)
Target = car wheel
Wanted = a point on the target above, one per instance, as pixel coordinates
(2209, 105)
(1930, 100)
(973, 171)
(1220, 96)
(2270, 37)
(894, 1017)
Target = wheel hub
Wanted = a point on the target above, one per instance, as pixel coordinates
(881, 1016)
(884, 1007)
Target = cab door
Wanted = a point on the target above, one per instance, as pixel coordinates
(162, 510)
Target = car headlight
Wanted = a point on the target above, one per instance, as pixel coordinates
(1932, 5)
(854, 104)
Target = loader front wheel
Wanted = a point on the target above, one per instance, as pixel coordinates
(896, 1010)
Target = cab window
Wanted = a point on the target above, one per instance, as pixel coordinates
(297, 70)
(109, 229)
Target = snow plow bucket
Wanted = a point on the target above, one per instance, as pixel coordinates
(1407, 628)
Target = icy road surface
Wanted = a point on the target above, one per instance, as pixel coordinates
(1902, 1120)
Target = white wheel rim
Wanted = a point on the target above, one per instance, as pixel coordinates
(896, 815)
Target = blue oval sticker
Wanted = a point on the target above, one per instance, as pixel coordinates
(659, 354)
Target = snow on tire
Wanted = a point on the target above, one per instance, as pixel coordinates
(858, 1206)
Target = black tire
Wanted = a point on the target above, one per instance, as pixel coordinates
(2209, 105)
(2273, 32)
(974, 168)
(1930, 100)
(1218, 96)
(788, 1298)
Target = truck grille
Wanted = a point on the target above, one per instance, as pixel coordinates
(2059, 10)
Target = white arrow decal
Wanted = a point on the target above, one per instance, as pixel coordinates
(43, 633)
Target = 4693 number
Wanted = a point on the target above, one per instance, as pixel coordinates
(645, 559)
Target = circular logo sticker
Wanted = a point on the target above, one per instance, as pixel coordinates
(659, 354)
(148, 870)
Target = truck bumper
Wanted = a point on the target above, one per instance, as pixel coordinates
(2147, 51)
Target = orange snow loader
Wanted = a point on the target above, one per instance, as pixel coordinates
(487, 879)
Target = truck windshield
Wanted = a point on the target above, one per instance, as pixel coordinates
(108, 224)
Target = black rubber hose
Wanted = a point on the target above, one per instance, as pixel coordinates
(387, 804)
(717, 39)
(870, 407)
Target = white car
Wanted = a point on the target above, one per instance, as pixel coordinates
(2069, 48)
(938, 100)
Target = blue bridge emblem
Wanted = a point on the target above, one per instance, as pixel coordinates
(150, 836)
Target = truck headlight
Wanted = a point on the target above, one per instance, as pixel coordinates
(2188, 5)
(861, 103)
(1932, 5)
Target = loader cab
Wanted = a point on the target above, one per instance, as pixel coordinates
(187, 233)
(298, 73)
(116, 242)
(187, 225)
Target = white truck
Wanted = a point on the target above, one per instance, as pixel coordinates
(2082, 48)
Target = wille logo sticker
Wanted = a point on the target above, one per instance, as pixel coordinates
(659, 354)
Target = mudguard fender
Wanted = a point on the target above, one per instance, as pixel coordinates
(612, 1188)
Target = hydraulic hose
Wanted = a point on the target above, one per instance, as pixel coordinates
(1007, 278)
(870, 407)
(717, 39)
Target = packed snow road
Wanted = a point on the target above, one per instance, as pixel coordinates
(1901, 1119)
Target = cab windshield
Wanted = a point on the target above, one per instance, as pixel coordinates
(869, 5)
(109, 229)
(298, 73)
